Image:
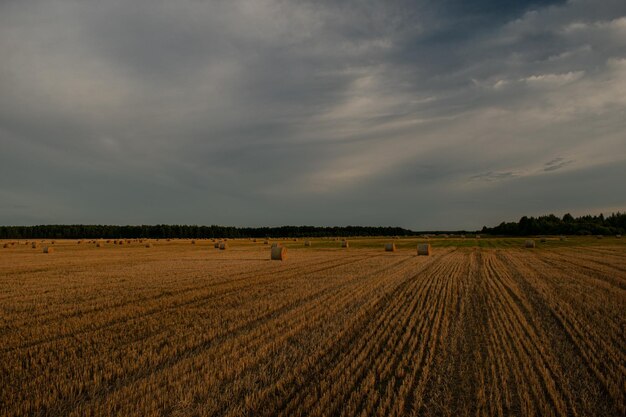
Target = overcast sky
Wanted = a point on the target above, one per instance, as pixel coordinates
(422, 114)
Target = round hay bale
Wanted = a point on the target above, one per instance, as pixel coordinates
(423, 249)
(529, 243)
(390, 247)
(279, 253)
(48, 249)
(307, 243)
(121, 242)
(223, 246)
(345, 244)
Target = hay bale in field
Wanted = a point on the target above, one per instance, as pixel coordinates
(307, 243)
(216, 245)
(345, 244)
(99, 245)
(279, 253)
(121, 242)
(79, 242)
(390, 247)
(223, 246)
(529, 243)
(423, 249)
(48, 249)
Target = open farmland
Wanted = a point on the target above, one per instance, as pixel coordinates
(481, 327)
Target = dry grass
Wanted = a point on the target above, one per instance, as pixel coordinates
(183, 331)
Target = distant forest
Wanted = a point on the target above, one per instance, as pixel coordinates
(184, 231)
(567, 225)
(542, 225)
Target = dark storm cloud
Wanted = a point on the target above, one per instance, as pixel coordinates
(273, 112)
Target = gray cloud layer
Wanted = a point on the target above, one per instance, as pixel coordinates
(271, 112)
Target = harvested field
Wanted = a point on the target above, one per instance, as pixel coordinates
(480, 327)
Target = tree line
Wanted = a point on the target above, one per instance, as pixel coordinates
(163, 231)
(542, 225)
(567, 225)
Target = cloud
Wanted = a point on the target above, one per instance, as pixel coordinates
(270, 112)
(556, 164)
(494, 176)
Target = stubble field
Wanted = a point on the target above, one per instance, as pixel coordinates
(480, 327)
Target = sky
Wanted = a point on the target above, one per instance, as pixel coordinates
(421, 114)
